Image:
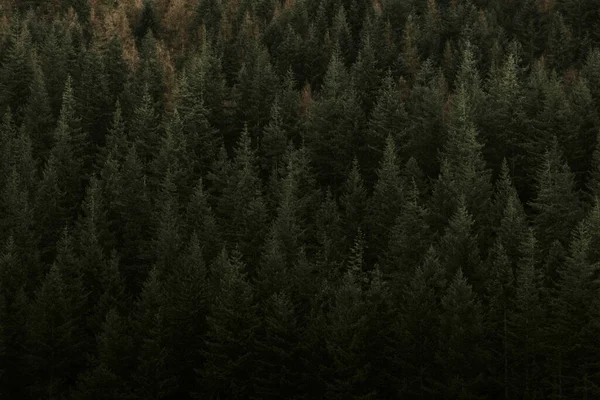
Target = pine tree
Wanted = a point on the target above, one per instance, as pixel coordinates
(53, 351)
(16, 71)
(232, 325)
(345, 332)
(274, 139)
(241, 206)
(143, 127)
(13, 307)
(335, 121)
(460, 250)
(527, 321)
(353, 203)
(504, 117)
(173, 156)
(279, 365)
(571, 315)
(201, 136)
(134, 210)
(38, 116)
(366, 75)
(425, 109)
(116, 143)
(500, 289)
(420, 310)
(90, 252)
(153, 378)
(387, 201)
(201, 220)
(187, 301)
(463, 171)
(92, 95)
(388, 119)
(556, 200)
(461, 325)
(409, 239)
(593, 183)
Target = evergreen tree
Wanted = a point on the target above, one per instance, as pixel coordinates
(460, 250)
(387, 201)
(593, 184)
(526, 321)
(421, 309)
(387, 120)
(241, 206)
(461, 325)
(232, 325)
(463, 170)
(335, 122)
(409, 239)
(38, 116)
(353, 203)
(556, 200)
(571, 315)
(53, 349)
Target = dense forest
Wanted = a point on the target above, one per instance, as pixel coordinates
(299, 199)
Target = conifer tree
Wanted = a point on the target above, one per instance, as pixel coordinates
(334, 124)
(420, 310)
(527, 320)
(593, 183)
(38, 116)
(556, 200)
(173, 157)
(500, 289)
(388, 119)
(461, 325)
(409, 239)
(116, 142)
(143, 127)
(13, 307)
(53, 348)
(200, 219)
(353, 203)
(232, 325)
(278, 371)
(201, 136)
(92, 95)
(463, 170)
(572, 313)
(366, 75)
(241, 206)
(387, 200)
(153, 376)
(187, 301)
(134, 210)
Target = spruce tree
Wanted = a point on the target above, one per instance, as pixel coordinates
(556, 200)
(232, 325)
(527, 321)
(53, 348)
(460, 250)
(387, 201)
(463, 170)
(409, 239)
(461, 325)
(388, 119)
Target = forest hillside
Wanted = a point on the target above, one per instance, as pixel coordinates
(299, 199)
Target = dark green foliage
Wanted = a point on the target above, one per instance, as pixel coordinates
(232, 325)
(346, 199)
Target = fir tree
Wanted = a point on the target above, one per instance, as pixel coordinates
(387, 200)
(556, 200)
(232, 325)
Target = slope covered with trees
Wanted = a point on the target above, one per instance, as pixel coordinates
(303, 199)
